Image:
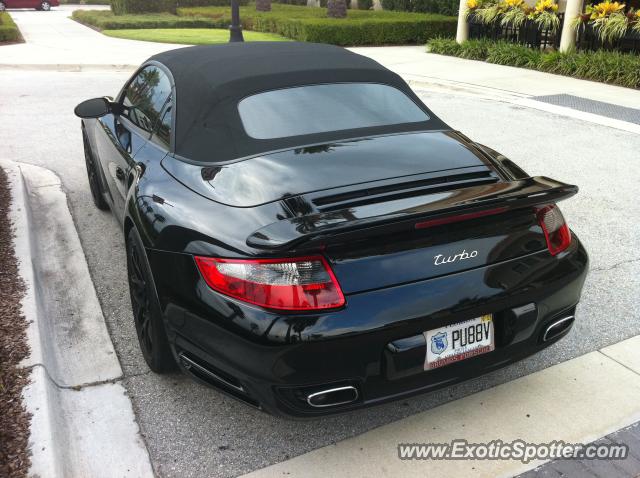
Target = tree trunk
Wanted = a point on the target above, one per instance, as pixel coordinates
(263, 5)
(337, 8)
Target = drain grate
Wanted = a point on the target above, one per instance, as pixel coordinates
(601, 108)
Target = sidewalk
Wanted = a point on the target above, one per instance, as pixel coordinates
(576, 401)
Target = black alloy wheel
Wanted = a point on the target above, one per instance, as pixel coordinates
(146, 308)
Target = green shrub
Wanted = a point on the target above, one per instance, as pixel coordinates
(477, 50)
(365, 4)
(209, 3)
(444, 46)
(86, 2)
(503, 53)
(122, 7)
(105, 20)
(444, 7)
(604, 66)
(361, 27)
(397, 5)
(9, 31)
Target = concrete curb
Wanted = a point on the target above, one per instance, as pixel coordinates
(82, 421)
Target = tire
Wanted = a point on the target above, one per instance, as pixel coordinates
(45, 6)
(3, 7)
(92, 176)
(147, 315)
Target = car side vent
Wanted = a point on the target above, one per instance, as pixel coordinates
(404, 189)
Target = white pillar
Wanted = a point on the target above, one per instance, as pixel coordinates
(568, 40)
(377, 5)
(463, 27)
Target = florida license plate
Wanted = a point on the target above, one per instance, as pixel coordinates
(459, 341)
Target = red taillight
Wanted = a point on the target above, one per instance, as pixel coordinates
(556, 231)
(305, 283)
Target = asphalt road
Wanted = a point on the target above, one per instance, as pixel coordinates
(195, 431)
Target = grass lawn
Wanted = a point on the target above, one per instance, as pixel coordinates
(189, 36)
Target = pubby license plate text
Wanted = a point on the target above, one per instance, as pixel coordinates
(459, 341)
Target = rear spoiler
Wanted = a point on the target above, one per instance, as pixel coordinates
(510, 195)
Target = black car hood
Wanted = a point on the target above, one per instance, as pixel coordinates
(271, 177)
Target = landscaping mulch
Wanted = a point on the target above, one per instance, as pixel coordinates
(14, 419)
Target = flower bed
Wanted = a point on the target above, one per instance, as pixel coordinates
(515, 21)
(609, 25)
(106, 20)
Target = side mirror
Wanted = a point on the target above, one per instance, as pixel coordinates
(94, 108)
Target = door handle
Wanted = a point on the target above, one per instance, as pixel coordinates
(119, 173)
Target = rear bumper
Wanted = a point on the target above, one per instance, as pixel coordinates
(275, 361)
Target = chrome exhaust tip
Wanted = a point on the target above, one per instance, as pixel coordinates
(557, 328)
(333, 397)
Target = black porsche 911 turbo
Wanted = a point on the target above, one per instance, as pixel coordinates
(304, 234)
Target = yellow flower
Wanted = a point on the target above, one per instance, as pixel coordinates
(546, 6)
(605, 9)
(514, 3)
(472, 4)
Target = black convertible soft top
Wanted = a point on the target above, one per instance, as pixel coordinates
(211, 80)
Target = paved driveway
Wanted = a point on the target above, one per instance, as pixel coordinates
(194, 431)
(53, 39)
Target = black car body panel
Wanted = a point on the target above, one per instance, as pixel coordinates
(281, 358)
(313, 168)
(422, 228)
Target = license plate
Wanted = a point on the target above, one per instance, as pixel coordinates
(459, 341)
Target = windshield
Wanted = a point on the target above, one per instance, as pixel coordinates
(323, 108)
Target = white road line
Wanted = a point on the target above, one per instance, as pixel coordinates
(577, 401)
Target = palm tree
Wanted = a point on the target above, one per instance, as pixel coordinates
(337, 8)
(263, 5)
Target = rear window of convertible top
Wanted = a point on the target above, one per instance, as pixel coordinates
(327, 107)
